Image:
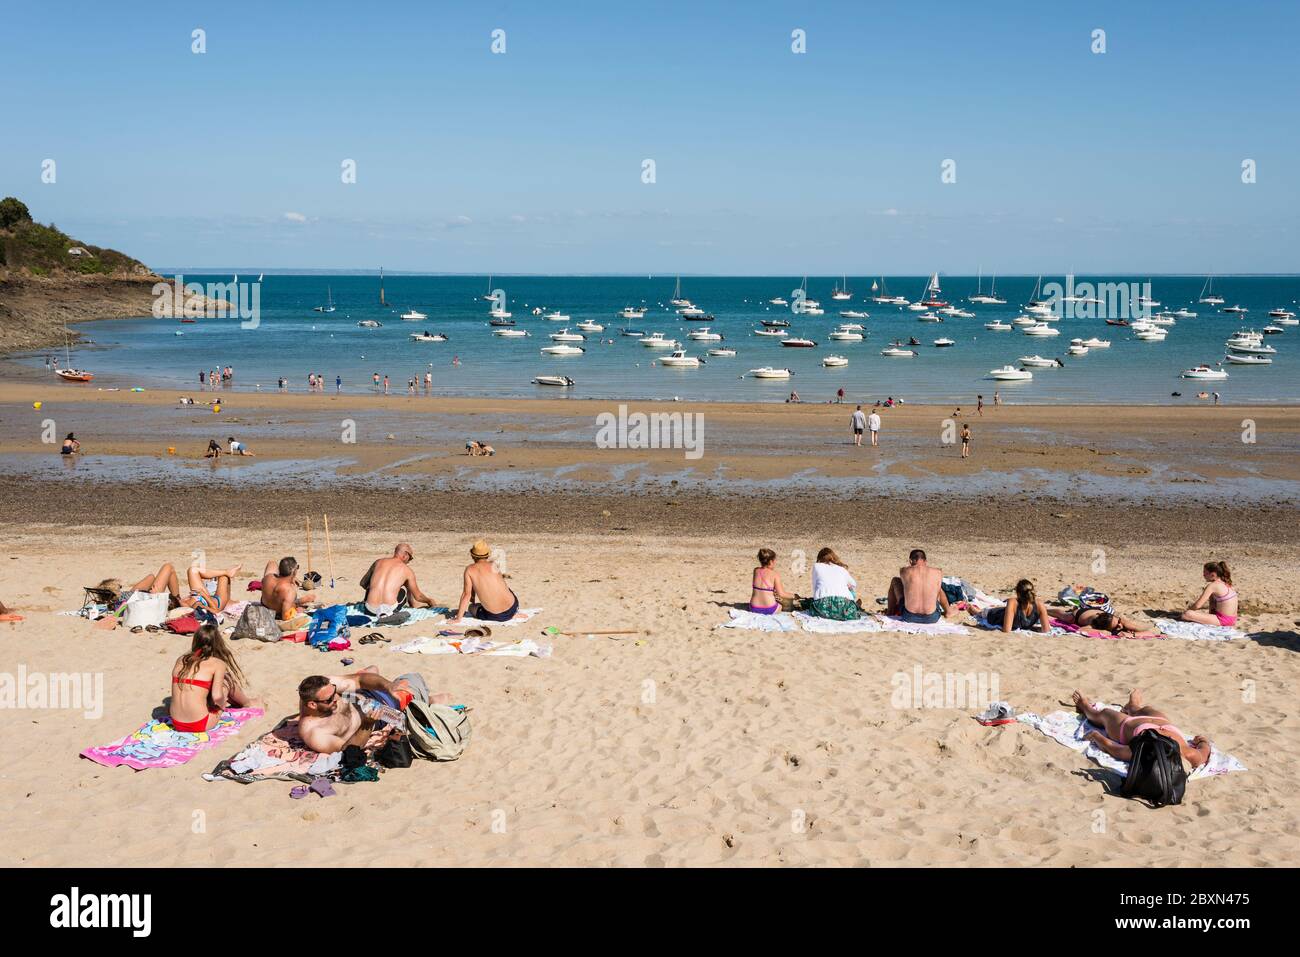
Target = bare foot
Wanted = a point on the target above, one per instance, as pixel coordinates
(1135, 701)
(233, 571)
(1080, 704)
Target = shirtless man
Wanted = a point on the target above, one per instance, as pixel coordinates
(390, 584)
(280, 593)
(916, 595)
(486, 595)
(329, 721)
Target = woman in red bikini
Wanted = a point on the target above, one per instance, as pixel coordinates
(1218, 594)
(205, 680)
(765, 586)
(1121, 727)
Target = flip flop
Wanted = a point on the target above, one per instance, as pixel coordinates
(299, 792)
(372, 639)
(322, 787)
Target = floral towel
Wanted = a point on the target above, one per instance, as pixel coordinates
(1070, 729)
(156, 744)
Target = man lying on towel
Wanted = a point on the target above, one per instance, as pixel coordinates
(916, 594)
(280, 594)
(390, 584)
(330, 720)
(486, 596)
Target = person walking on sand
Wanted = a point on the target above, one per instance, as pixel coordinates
(965, 440)
(873, 426)
(859, 423)
(979, 404)
(997, 398)
(386, 392)
(839, 396)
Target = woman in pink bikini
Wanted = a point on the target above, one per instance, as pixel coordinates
(766, 590)
(1218, 594)
(1121, 727)
(204, 681)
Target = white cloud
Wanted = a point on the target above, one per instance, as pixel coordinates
(458, 222)
(295, 217)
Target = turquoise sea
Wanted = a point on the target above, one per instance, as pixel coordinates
(291, 340)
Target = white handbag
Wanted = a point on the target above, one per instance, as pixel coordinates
(143, 609)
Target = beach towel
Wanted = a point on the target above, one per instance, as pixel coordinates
(156, 744)
(828, 626)
(1070, 628)
(450, 645)
(522, 616)
(752, 621)
(1070, 728)
(921, 628)
(359, 615)
(1194, 631)
(278, 755)
(801, 621)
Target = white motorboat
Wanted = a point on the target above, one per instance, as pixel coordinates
(634, 333)
(1094, 343)
(998, 326)
(1163, 319)
(723, 353)
(808, 308)
(679, 359)
(704, 335)
(771, 333)
(1041, 329)
(1037, 362)
(1235, 310)
(798, 343)
(693, 312)
(846, 335)
(1204, 372)
(1025, 321)
(1077, 349)
(1041, 311)
(834, 362)
(499, 313)
(1247, 359)
(588, 325)
(929, 317)
(1184, 313)
(1010, 374)
(633, 312)
(1250, 347)
(656, 340)
(853, 314)
(1288, 321)
(557, 316)
(563, 349)
(944, 343)
(1281, 314)
(767, 372)
(510, 333)
(564, 335)
(369, 323)
(778, 301)
(558, 380)
(896, 352)
(1273, 330)
(1207, 293)
(427, 337)
(412, 316)
(1151, 335)
(501, 322)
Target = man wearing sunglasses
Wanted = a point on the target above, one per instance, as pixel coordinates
(390, 583)
(329, 720)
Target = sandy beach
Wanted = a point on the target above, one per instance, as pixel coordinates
(686, 744)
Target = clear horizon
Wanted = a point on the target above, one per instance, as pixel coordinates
(766, 161)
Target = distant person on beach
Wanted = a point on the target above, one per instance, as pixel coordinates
(329, 720)
(428, 381)
(485, 595)
(203, 377)
(70, 445)
(997, 398)
(1216, 398)
(834, 590)
(965, 440)
(1120, 727)
(238, 448)
(1024, 611)
(205, 680)
(475, 447)
(338, 384)
(839, 395)
(390, 583)
(859, 423)
(1218, 594)
(916, 593)
(213, 450)
(766, 591)
(979, 405)
(280, 593)
(1097, 617)
(873, 426)
(375, 377)
(386, 385)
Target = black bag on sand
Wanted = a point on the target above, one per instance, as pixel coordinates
(396, 753)
(1155, 773)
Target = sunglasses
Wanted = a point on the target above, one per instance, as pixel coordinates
(330, 700)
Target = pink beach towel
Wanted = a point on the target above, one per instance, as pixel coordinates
(156, 744)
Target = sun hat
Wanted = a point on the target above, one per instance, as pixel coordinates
(479, 550)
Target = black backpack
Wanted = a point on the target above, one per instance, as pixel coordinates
(1155, 773)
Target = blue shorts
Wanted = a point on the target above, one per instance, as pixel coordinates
(912, 618)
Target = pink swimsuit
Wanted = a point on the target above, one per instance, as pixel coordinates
(1225, 620)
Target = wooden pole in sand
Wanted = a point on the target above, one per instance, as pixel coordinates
(308, 543)
(329, 549)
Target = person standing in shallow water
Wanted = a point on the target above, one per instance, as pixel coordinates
(965, 440)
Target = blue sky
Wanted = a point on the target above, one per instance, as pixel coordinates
(767, 161)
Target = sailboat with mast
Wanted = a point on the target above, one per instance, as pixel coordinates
(329, 302)
(488, 297)
(991, 297)
(841, 291)
(70, 374)
(931, 299)
(382, 302)
(882, 296)
(677, 299)
(1208, 295)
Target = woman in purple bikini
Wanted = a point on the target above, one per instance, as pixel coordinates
(766, 594)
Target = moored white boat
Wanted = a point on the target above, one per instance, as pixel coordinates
(798, 343)
(723, 353)
(564, 335)
(558, 380)
(1010, 374)
(1246, 359)
(1204, 372)
(767, 372)
(944, 343)
(369, 323)
(589, 325)
(413, 316)
(510, 333)
(771, 333)
(1037, 362)
(427, 337)
(835, 362)
(657, 340)
(998, 326)
(679, 359)
(1041, 329)
(896, 352)
(703, 334)
(563, 349)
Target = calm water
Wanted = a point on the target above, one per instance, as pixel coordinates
(292, 341)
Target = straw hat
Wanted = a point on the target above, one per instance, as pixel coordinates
(479, 550)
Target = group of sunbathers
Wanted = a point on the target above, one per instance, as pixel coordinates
(916, 595)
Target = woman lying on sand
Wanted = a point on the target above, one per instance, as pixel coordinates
(1098, 619)
(1121, 727)
(1024, 611)
(165, 580)
(834, 590)
(766, 589)
(205, 680)
(1218, 594)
